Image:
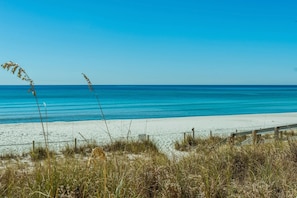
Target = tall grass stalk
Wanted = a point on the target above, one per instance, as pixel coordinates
(91, 88)
(22, 74)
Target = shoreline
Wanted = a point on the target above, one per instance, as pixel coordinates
(163, 130)
(164, 118)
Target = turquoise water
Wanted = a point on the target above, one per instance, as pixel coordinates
(76, 102)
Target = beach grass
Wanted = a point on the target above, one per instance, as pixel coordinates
(41, 153)
(84, 149)
(264, 170)
(190, 143)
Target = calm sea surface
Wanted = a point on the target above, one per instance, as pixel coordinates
(76, 102)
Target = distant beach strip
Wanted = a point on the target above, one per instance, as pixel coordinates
(164, 131)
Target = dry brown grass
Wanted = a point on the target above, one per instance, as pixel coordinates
(97, 154)
(267, 170)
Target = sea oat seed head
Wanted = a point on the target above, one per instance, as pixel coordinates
(89, 82)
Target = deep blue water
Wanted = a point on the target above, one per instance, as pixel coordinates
(76, 102)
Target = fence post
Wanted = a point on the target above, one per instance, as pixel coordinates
(184, 136)
(210, 134)
(276, 133)
(193, 130)
(33, 145)
(254, 135)
(148, 138)
(75, 144)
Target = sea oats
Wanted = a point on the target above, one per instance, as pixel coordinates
(22, 74)
(99, 104)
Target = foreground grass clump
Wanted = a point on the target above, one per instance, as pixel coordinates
(41, 153)
(119, 146)
(267, 170)
(132, 146)
(190, 143)
(11, 155)
(84, 149)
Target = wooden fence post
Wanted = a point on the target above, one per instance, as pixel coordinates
(33, 145)
(184, 136)
(148, 138)
(210, 134)
(193, 130)
(255, 138)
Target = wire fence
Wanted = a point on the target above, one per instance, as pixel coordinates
(18, 138)
(165, 142)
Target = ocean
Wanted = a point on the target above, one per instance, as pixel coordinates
(77, 103)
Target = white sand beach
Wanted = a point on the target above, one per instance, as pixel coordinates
(163, 131)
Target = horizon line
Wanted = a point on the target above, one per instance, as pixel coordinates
(153, 85)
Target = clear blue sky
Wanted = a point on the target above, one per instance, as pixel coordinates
(150, 42)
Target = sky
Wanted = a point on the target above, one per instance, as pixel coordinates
(197, 42)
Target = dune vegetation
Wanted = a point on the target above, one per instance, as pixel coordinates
(138, 169)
